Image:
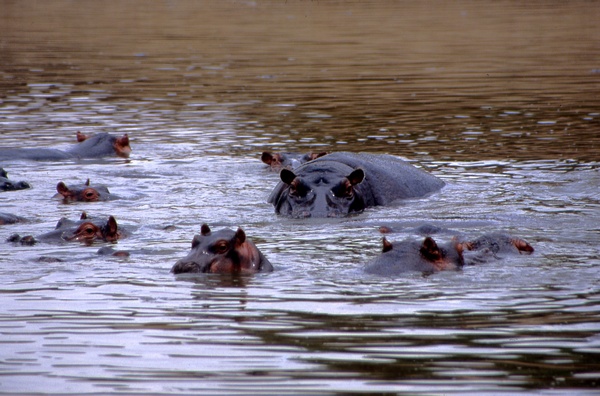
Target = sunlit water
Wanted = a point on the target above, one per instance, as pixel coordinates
(498, 99)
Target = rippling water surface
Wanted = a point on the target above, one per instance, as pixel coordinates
(500, 99)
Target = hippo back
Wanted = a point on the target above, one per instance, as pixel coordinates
(99, 145)
(387, 178)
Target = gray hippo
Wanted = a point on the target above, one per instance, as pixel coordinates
(341, 183)
(9, 185)
(97, 146)
(429, 256)
(223, 251)
(84, 230)
(9, 218)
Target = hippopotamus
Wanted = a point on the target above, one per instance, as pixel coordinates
(85, 230)
(8, 185)
(97, 146)
(83, 193)
(222, 251)
(278, 161)
(429, 256)
(8, 218)
(342, 183)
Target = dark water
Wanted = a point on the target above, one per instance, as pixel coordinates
(500, 99)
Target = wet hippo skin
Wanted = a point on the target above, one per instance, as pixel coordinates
(341, 183)
(222, 251)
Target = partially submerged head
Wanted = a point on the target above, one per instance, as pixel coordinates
(223, 251)
(85, 193)
(321, 193)
(88, 232)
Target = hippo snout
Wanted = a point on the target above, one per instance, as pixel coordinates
(183, 266)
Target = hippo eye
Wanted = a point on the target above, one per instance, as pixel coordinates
(343, 190)
(298, 190)
(221, 247)
(89, 230)
(89, 194)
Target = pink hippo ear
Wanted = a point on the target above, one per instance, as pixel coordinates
(240, 237)
(287, 176)
(121, 146)
(430, 250)
(81, 137)
(522, 246)
(64, 190)
(387, 245)
(205, 230)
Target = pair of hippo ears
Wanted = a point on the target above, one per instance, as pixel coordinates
(356, 177)
(428, 248)
(239, 237)
(428, 245)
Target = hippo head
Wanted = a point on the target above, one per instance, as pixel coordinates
(89, 232)
(440, 257)
(85, 193)
(223, 251)
(320, 194)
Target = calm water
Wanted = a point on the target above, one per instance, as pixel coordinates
(500, 99)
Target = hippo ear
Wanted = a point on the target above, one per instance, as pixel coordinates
(387, 245)
(83, 216)
(240, 237)
(522, 246)
(112, 226)
(430, 250)
(81, 137)
(356, 177)
(287, 176)
(63, 190)
(87, 183)
(205, 230)
(267, 157)
(121, 146)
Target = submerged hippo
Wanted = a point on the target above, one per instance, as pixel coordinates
(97, 146)
(341, 183)
(428, 256)
(85, 230)
(278, 161)
(83, 193)
(8, 218)
(9, 185)
(223, 251)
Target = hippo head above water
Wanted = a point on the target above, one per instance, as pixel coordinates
(83, 193)
(321, 194)
(427, 256)
(342, 183)
(88, 231)
(223, 251)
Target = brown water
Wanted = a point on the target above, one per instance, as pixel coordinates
(500, 99)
